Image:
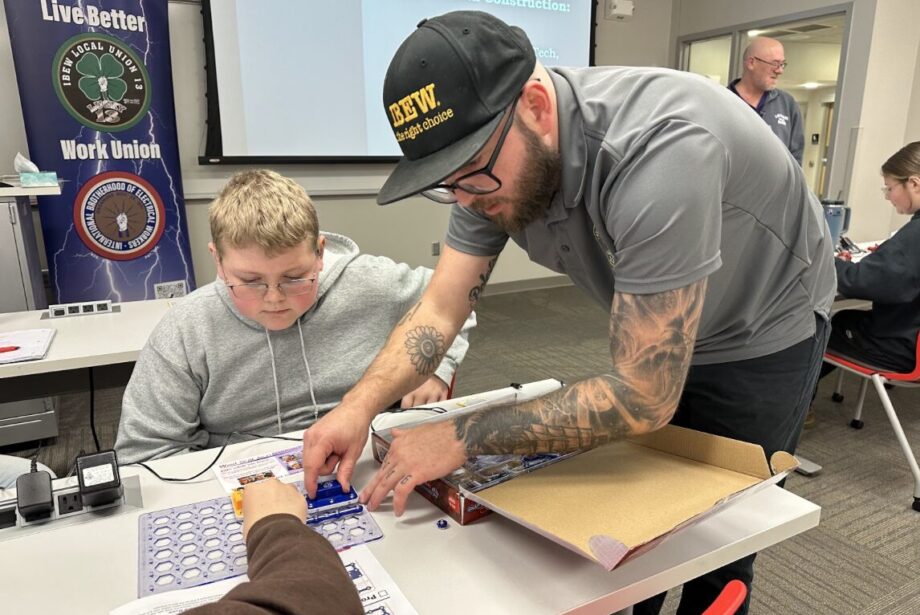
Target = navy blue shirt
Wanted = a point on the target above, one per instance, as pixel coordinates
(781, 113)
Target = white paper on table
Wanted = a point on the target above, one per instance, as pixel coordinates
(375, 586)
(377, 590)
(235, 474)
(169, 603)
(33, 344)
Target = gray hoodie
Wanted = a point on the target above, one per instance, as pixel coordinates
(207, 370)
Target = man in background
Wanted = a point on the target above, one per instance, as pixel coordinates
(764, 62)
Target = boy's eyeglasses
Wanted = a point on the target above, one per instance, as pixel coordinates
(776, 64)
(258, 290)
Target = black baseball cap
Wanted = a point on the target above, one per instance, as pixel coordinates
(445, 92)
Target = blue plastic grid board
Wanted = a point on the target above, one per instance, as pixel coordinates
(200, 543)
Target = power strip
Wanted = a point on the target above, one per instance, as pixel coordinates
(61, 310)
(69, 508)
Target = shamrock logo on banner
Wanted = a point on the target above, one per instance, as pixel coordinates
(101, 77)
(102, 83)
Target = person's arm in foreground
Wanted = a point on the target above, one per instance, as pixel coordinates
(651, 345)
(411, 355)
(292, 569)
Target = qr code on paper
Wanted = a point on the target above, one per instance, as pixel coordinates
(170, 290)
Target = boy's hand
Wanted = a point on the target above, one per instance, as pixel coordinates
(336, 439)
(432, 390)
(270, 497)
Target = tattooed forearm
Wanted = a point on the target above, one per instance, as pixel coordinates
(409, 314)
(651, 345)
(425, 347)
(476, 291)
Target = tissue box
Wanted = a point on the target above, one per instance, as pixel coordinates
(38, 180)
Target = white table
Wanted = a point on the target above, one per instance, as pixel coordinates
(87, 341)
(491, 566)
(84, 341)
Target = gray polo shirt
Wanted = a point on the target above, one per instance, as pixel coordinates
(667, 179)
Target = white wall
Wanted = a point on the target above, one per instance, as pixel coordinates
(913, 116)
(644, 40)
(886, 114)
(403, 231)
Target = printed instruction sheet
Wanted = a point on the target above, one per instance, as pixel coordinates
(234, 474)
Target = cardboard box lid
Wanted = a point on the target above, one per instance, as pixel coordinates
(610, 501)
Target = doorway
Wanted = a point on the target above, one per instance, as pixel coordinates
(812, 50)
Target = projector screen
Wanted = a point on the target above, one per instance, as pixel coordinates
(302, 80)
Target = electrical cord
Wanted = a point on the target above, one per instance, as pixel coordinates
(73, 466)
(92, 410)
(175, 479)
(34, 456)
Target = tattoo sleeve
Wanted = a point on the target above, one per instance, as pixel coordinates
(476, 291)
(651, 345)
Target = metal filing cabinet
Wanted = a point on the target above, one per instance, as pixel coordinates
(20, 268)
(23, 290)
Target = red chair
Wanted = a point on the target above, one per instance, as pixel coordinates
(880, 378)
(729, 600)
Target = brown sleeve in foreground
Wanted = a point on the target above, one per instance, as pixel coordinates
(292, 570)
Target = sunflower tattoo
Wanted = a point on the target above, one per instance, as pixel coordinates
(426, 349)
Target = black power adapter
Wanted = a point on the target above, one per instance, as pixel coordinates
(100, 482)
(33, 496)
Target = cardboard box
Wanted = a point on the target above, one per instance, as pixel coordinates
(617, 501)
(449, 493)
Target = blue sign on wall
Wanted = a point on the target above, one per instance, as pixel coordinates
(96, 89)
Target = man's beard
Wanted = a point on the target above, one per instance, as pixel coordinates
(537, 182)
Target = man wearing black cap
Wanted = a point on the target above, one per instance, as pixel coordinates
(659, 194)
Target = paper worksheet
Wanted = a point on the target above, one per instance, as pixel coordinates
(234, 474)
(25, 345)
(379, 594)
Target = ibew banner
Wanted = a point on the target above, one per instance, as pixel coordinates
(96, 90)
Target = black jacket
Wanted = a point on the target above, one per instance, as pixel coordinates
(890, 278)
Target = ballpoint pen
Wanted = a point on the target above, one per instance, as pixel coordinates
(8, 348)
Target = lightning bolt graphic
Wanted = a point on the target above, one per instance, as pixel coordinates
(152, 262)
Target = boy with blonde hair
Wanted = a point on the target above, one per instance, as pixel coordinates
(291, 323)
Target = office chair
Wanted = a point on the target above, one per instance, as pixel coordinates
(728, 601)
(880, 377)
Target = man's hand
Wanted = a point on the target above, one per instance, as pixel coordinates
(270, 497)
(415, 456)
(432, 390)
(336, 439)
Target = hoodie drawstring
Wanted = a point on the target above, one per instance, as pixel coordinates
(303, 353)
(271, 354)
